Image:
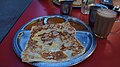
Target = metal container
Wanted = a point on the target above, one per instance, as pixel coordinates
(92, 14)
(66, 7)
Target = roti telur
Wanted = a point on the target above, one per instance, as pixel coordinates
(52, 43)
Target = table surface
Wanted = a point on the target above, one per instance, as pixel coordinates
(106, 53)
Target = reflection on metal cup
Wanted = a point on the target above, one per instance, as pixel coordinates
(66, 7)
(105, 19)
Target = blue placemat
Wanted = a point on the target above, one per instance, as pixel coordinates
(10, 11)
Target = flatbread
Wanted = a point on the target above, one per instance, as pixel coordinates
(52, 43)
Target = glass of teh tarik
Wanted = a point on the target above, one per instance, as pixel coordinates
(105, 19)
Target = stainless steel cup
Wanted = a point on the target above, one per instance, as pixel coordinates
(66, 7)
(92, 14)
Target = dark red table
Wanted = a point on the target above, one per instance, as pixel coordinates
(107, 53)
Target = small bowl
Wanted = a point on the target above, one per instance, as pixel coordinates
(55, 19)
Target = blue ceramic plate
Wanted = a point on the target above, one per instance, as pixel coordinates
(85, 37)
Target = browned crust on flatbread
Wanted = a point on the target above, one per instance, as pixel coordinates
(52, 43)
